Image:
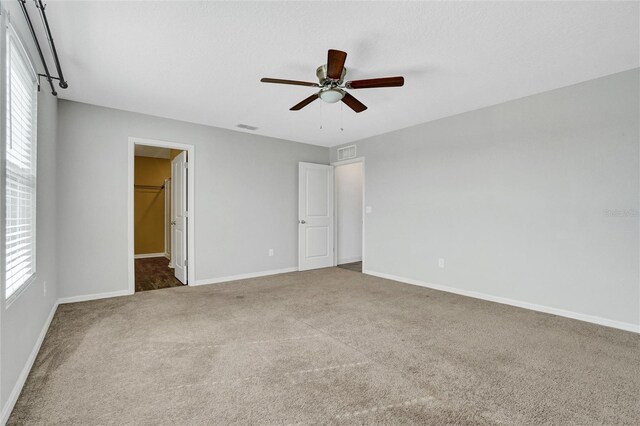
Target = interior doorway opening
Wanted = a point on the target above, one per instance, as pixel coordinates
(349, 208)
(154, 217)
(161, 228)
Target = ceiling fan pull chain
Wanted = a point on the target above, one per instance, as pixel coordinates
(341, 121)
(321, 116)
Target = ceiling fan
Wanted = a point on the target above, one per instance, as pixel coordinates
(332, 85)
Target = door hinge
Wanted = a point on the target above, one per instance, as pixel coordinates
(185, 263)
(186, 165)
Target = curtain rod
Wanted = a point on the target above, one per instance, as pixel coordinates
(40, 6)
(45, 22)
(23, 4)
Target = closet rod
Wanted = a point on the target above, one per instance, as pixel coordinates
(149, 186)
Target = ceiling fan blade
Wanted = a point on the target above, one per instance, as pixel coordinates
(353, 103)
(335, 64)
(375, 82)
(294, 82)
(304, 103)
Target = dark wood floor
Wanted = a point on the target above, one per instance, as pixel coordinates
(355, 266)
(154, 273)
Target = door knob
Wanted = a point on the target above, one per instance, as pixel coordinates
(302, 222)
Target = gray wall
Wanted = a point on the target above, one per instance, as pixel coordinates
(22, 322)
(518, 200)
(245, 201)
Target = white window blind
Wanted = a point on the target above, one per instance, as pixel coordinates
(20, 170)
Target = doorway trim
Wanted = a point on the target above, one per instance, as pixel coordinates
(133, 141)
(335, 206)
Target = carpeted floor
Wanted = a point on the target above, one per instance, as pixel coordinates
(153, 273)
(326, 347)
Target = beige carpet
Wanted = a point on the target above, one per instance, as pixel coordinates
(326, 347)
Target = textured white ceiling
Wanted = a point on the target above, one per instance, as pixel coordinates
(202, 61)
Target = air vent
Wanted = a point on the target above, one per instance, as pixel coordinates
(346, 152)
(246, 127)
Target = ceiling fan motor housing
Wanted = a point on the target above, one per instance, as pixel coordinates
(321, 72)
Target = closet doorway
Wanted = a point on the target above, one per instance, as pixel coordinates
(161, 227)
(349, 214)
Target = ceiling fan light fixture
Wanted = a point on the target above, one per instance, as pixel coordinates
(332, 95)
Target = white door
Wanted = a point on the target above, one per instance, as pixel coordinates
(179, 216)
(315, 216)
(167, 221)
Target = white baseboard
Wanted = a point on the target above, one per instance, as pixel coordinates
(22, 378)
(243, 276)
(86, 297)
(526, 305)
(349, 260)
(148, 255)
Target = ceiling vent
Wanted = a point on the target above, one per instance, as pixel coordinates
(346, 152)
(247, 127)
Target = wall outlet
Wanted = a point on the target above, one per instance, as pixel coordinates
(441, 263)
(270, 252)
(368, 209)
(44, 288)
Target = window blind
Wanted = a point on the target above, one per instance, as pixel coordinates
(20, 168)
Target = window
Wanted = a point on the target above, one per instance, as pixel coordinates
(20, 167)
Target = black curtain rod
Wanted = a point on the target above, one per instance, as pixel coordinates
(63, 84)
(23, 4)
